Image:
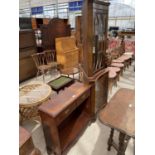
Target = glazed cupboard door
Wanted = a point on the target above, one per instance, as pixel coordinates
(94, 35)
(94, 39)
(100, 23)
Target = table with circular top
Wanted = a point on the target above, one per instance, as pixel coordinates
(30, 97)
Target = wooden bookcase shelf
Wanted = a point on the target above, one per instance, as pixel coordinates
(65, 116)
(71, 128)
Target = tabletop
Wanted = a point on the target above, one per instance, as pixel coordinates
(34, 94)
(62, 100)
(120, 112)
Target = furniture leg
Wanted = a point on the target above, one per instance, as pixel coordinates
(122, 145)
(110, 140)
(43, 76)
(37, 74)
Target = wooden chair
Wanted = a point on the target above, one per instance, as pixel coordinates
(50, 59)
(40, 62)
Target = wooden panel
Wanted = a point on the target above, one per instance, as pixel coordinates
(46, 21)
(101, 92)
(27, 47)
(34, 23)
(56, 28)
(26, 38)
(67, 52)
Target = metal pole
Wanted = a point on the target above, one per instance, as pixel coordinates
(56, 8)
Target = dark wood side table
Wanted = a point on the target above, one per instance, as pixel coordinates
(119, 114)
(65, 117)
(26, 146)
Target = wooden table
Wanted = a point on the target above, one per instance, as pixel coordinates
(30, 97)
(26, 146)
(119, 114)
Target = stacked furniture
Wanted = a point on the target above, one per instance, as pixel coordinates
(27, 47)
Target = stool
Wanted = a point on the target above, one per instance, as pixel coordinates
(123, 142)
(119, 114)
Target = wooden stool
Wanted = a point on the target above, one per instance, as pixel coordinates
(119, 114)
(123, 142)
(26, 146)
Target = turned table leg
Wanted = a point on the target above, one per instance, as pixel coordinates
(123, 142)
(110, 140)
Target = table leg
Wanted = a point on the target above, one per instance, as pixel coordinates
(123, 142)
(110, 140)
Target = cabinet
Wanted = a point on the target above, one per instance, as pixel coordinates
(54, 29)
(94, 40)
(27, 47)
(94, 31)
(65, 117)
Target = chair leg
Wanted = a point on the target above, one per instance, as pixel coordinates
(43, 73)
(37, 74)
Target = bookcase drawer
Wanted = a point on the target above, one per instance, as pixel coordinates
(82, 98)
(65, 113)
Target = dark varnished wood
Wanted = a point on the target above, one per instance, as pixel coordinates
(27, 47)
(54, 29)
(94, 40)
(118, 113)
(26, 146)
(94, 34)
(65, 116)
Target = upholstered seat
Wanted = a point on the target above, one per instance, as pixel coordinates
(114, 69)
(118, 61)
(120, 65)
(112, 75)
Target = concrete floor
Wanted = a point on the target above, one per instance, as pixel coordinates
(94, 139)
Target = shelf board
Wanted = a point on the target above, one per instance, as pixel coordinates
(72, 127)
